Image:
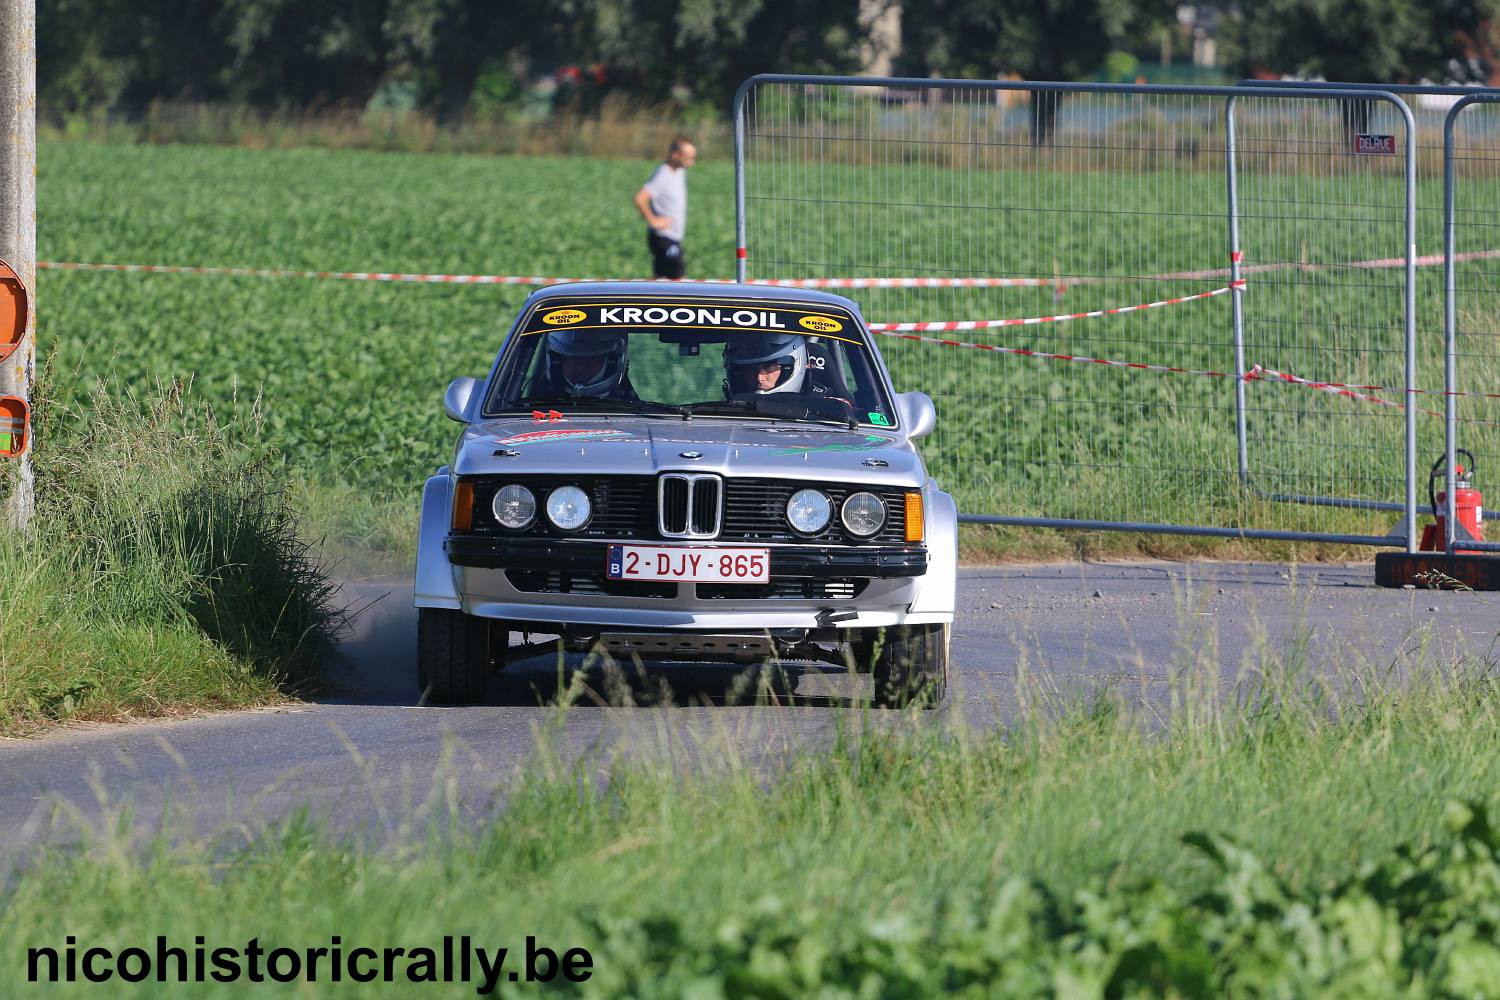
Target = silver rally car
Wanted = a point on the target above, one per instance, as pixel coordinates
(679, 471)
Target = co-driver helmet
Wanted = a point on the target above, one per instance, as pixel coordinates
(746, 353)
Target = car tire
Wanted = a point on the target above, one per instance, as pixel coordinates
(911, 667)
(453, 656)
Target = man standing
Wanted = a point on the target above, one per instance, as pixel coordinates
(662, 202)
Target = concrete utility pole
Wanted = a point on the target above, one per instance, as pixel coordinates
(18, 225)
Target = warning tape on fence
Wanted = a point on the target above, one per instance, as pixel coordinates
(1337, 388)
(1027, 352)
(991, 324)
(517, 279)
(1060, 283)
(1427, 260)
(1257, 373)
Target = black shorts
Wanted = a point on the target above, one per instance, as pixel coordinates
(666, 256)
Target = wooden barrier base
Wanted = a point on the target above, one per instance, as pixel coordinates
(1437, 571)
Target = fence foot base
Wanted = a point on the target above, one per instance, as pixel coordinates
(1437, 571)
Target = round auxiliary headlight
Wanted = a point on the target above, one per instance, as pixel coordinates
(514, 506)
(568, 508)
(863, 514)
(809, 511)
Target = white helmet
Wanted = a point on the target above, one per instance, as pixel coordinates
(745, 354)
(606, 348)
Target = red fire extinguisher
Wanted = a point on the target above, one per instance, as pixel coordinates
(1468, 505)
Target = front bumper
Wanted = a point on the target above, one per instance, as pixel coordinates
(888, 580)
(818, 561)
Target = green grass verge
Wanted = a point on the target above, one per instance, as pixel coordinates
(163, 572)
(1291, 842)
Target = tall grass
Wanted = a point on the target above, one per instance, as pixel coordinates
(163, 570)
(1253, 843)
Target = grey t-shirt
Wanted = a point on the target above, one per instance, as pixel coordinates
(668, 190)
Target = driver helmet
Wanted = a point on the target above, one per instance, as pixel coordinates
(749, 361)
(585, 362)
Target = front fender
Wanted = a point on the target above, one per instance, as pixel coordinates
(937, 589)
(435, 586)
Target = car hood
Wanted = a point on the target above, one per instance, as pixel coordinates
(613, 445)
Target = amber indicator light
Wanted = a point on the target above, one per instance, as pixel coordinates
(463, 506)
(914, 525)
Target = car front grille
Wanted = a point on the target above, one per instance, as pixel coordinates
(755, 511)
(785, 588)
(623, 506)
(688, 505)
(681, 506)
(541, 581)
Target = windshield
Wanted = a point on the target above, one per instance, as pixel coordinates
(751, 358)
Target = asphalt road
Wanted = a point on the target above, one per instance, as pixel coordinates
(368, 754)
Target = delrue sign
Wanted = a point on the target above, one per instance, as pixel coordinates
(1372, 144)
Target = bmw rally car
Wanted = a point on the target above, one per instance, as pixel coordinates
(688, 472)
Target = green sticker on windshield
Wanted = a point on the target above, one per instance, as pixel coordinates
(876, 417)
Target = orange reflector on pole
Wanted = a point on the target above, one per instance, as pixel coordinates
(463, 505)
(15, 418)
(914, 524)
(14, 310)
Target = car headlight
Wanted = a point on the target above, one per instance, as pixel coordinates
(568, 507)
(514, 506)
(863, 514)
(809, 511)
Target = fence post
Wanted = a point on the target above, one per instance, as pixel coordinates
(18, 221)
(740, 97)
(1237, 304)
(1451, 390)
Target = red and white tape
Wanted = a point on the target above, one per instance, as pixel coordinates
(266, 272)
(1027, 352)
(521, 279)
(1337, 388)
(991, 324)
(971, 282)
(1257, 373)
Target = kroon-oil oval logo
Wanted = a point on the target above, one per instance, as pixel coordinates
(564, 317)
(821, 324)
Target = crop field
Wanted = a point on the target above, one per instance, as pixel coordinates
(353, 371)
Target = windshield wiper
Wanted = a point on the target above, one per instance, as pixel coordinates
(773, 407)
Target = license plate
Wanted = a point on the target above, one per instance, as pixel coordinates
(691, 565)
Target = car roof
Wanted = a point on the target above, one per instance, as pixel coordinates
(707, 289)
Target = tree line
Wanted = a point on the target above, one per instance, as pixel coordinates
(462, 57)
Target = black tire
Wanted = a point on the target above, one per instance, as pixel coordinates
(860, 647)
(911, 667)
(453, 657)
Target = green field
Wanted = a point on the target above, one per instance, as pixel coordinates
(352, 372)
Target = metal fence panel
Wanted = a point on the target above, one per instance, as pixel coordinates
(1038, 202)
(1471, 252)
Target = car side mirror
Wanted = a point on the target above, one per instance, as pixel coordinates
(456, 400)
(918, 415)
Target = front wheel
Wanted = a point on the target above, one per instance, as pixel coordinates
(911, 666)
(453, 656)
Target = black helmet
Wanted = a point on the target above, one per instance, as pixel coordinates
(572, 345)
